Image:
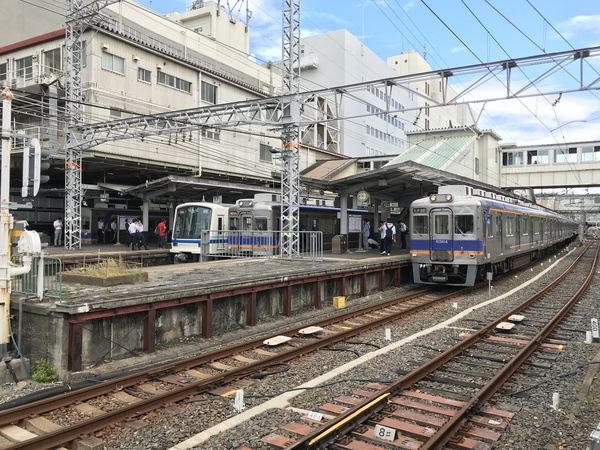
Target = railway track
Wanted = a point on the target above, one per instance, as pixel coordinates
(446, 402)
(63, 419)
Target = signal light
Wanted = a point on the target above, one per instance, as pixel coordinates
(34, 163)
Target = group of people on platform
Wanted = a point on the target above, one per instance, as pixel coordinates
(387, 236)
(135, 236)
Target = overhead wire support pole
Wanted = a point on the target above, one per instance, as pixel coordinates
(5, 219)
(290, 155)
(79, 16)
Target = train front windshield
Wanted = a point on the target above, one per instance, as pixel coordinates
(190, 221)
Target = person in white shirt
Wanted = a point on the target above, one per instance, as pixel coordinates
(134, 233)
(58, 226)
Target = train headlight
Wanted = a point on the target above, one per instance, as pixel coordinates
(413, 254)
(448, 197)
(432, 198)
(472, 255)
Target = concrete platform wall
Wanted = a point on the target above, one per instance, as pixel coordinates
(46, 333)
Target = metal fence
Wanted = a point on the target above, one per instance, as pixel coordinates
(214, 244)
(44, 280)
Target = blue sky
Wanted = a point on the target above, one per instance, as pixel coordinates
(457, 33)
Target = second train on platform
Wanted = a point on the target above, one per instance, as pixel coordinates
(251, 227)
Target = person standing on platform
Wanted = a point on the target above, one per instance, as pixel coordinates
(390, 237)
(143, 240)
(127, 234)
(134, 234)
(58, 226)
(403, 231)
(366, 233)
(113, 231)
(162, 233)
(382, 237)
(100, 230)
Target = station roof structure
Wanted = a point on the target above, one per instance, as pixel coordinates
(400, 181)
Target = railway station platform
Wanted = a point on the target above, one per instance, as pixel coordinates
(94, 323)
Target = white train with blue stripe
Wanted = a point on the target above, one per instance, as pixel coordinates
(461, 233)
(193, 223)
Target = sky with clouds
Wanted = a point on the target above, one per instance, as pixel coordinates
(457, 33)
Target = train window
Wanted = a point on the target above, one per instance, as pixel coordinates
(420, 225)
(536, 226)
(261, 223)
(246, 223)
(491, 228)
(463, 224)
(190, 221)
(509, 226)
(524, 226)
(233, 223)
(441, 224)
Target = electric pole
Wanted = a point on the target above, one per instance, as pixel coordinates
(290, 155)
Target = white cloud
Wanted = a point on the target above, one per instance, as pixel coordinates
(410, 5)
(458, 49)
(580, 25)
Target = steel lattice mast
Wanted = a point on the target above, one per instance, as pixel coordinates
(290, 155)
(79, 17)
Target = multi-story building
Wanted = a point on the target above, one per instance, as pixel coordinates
(428, 93)
(378, 118)
(139, 63)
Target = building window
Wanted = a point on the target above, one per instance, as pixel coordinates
(144, 75)
(427, 124)
(174, 82)
(209, 93)
(3, 72)
(52, 61)
(265, 153)
(538, 157)
(113, 63)
(565, 155)
(512, 158)
(587, 153)
(476, 166)
(210, 133)
(24, 67)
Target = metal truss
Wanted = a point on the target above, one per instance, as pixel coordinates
(79, 16)
(290, 155)
(518, 78)
(270, 112)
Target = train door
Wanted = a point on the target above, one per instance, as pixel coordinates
(500, 231)
(441, 241)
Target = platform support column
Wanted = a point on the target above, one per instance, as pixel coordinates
(287, 301)
(207, 313)
(342, 287)
(74, 364)
(363, 285)
(251, 310)
(381, 280)
(397, 277)
(150, 331)
(317, 295)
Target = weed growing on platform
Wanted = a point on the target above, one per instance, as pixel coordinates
(44, 372)
(108, 268)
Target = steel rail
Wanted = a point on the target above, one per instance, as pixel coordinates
(333, 429)
(450, 428)
(70, 433)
